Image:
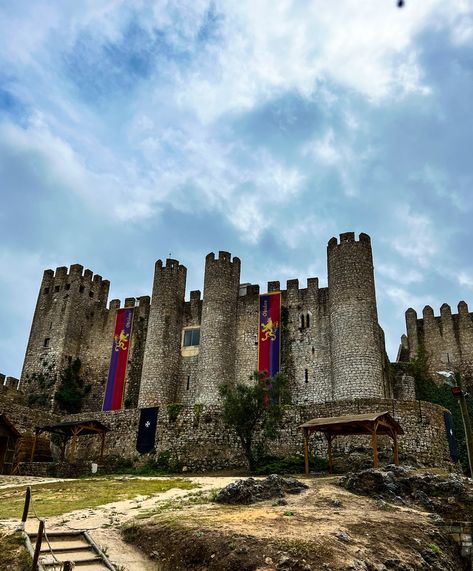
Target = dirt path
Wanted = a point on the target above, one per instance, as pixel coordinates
(104, 522)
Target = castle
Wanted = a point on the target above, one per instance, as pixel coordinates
(178, 353)
(181, 351)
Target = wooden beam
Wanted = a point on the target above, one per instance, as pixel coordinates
(374, 445)
(396, 449)
(39, 540)
(33, 448)
(306, 451)
(102, 447)
(72, 449)
(329, 451)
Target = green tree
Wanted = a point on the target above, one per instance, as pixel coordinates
(72, 389)
(255, 412)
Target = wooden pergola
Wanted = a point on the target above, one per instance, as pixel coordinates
(373, 423)
(70, 431)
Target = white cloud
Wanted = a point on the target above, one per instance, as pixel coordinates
(416, 238)
(399, 274)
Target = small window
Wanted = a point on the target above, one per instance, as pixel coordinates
(91, 294)
(302, 321)
(56, 288)
(188, 382)
(68, 286)
(81, 289)
(306, 375)
(307, 321)
(46, 290)
(191, 337)
(46, 342)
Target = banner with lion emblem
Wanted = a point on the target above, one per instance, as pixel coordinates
(269, 338)
(116, 374)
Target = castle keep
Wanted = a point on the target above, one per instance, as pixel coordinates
(181, 351)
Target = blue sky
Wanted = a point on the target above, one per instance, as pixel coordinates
(131, 129)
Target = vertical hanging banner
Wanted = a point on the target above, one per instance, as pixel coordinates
(269, 338)
(116, 374)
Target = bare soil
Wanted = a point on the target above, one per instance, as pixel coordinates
(326, 528)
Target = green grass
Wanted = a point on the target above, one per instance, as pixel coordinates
(62, 497)
(13, 553)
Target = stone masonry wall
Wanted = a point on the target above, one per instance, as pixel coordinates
(447, 339)
(219, 321)
(160, 378)
(357, 354)
(199, 440)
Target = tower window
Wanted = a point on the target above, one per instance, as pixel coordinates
(304, 320)
(188, 382)
(46, 342)
(68, 286)
(306, 375)
(191, 337)
(81, 289)
(91, 294)
(46, 290)
(56, 288)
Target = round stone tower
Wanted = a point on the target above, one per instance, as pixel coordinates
(161, 361)
(356, 339)
(218, 326)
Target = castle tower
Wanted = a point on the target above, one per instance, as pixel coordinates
(356, 346)
(218, 326)
(162, 354)
(64, 312)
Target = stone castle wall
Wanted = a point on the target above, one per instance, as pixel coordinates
(357, 354)
(199, 440)
(447, 339)
(332, 344)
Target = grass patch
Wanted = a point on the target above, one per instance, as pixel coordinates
(62, 497)
(13, 553)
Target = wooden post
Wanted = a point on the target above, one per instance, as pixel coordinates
(63, 447)
(26, 509)
(72, 449)
(37, 549)
(330, 454)
(396, 449)
(33, 448)
(102, 447)
(306, 450)
(374, 445)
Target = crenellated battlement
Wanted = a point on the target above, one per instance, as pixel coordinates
(348, 238)
(447, 338)
(73, 280)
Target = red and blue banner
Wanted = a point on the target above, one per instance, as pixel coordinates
(269, 338)
(116, 374)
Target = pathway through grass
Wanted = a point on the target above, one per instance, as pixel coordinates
(70, 495)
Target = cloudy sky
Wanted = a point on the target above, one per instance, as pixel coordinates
(130, 130)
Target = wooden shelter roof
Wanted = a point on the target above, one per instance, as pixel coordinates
(73, 427)
(354, 424)
(4, 420)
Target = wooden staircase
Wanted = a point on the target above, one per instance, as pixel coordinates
(76, 547)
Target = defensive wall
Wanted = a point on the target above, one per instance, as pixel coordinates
(332, 345)
(198, 439)
(447, 339)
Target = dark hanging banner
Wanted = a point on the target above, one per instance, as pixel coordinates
(147, 429)
(452, 441)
